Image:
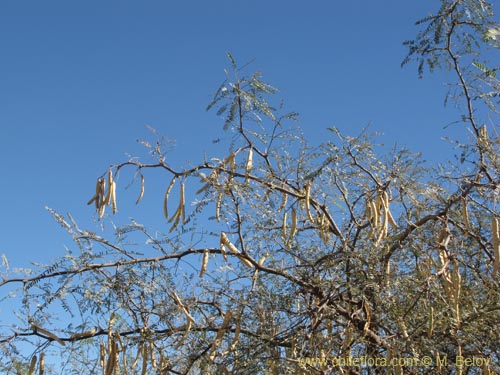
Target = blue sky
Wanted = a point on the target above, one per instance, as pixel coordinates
(81, 80)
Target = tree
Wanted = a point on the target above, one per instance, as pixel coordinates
(291, 259)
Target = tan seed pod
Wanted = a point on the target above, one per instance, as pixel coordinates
(249, 164)
(102, 354)
(283, 226)
(48, 334)
(141, 194)
(113, 197)
(152, 354)
(284, 200)
(245, 261)
(107, 199)
(41, 364)
(204, 263)
(110, 365)
(165, 199)
(225, 241)
(217, 206)
(220, 334)
(83, 334)
(144, 359)
(31, 370)
(293, 229)
(495, 241)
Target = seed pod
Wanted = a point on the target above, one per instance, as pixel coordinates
(110, 182)
(141, 194)
(41, 364)
(102, 354)
(110, 365)
(284, 200)
(144, 359)
(245, 261)
(31, 370)
(204, 263)
(293, 229)
(220, 334)
(218, 203)
(165, 199)
(283, 226)
(225, 241)
(113, 197)
(249, 164)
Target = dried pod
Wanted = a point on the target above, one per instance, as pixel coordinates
(204, 263)
(141, 194)
(465, 215)
(165, 199)
(31, 370)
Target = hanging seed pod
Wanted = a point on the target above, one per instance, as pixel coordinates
(41, 364)
(141, 194)
(102, 354)
(112, 195)
(165, 199)
(495, 241)
(204, 263)
(431, 323)
(144, 359)
(249, 164)
(31, 370)
(107, 200)
(293, 229)
(284, 200)
(283, 226)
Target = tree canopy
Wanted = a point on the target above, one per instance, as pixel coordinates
(284, 258)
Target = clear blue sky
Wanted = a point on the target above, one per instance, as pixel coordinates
(79, 80)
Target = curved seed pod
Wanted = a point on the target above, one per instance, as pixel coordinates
(182, 204)
(220, 334)
(204, 263)
(165, 199)
(110, 182)
(31, 370)
(141, 194)
(495, 241)
(225, 241)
